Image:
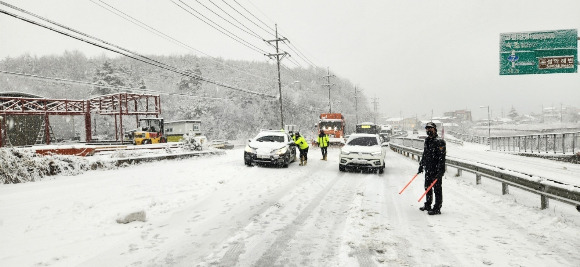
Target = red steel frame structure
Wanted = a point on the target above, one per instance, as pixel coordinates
(118, 104)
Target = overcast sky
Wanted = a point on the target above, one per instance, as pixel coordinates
(414, 56)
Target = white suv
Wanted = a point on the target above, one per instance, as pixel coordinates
(362, 151)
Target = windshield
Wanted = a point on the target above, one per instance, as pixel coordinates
(363, 141)
(271, 138)
(330, 125)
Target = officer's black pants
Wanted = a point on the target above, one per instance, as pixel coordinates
(304, 153)
(324, 150)
(437, 189)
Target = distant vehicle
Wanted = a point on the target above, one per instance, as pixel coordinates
(386, 132)
(150, 131)
(333, 125)
(362, 151)
(175, 130)
(367, 127)
(386, 129)
(270, 147)
(221, 144)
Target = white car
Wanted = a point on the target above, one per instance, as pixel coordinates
(362, 151)
(270, 147)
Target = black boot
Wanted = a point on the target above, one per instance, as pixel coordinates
(434, 212)
(427, 208)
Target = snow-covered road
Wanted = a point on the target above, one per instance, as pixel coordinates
(215, 211)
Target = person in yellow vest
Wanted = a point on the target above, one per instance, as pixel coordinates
(294, 140)
(302, 147)
(323, 144)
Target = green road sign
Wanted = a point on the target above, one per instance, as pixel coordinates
(538, 52)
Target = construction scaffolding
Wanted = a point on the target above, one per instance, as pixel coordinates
(117, 105)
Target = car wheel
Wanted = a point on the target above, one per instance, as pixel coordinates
(341, 168)
(248, 163)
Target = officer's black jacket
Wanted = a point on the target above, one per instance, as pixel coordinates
(433, 159)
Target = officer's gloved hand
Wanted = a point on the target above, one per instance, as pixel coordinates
(420, 169)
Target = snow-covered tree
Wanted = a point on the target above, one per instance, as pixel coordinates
(513, 114)
(191, 83)
(108, 75)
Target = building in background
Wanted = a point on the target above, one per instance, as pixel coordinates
(405, 124)
(459, 115)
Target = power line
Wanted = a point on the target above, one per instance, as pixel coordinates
(118, 88)
(248, 18)
(228, 34)
(297, 51)
(301, 55)
(254, 16)
(128, 53)
(250, 33)
(234, 18)
(163, 35)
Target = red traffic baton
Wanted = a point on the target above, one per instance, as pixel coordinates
(429, 188)
(408, 183)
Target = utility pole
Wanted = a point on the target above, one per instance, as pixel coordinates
(355, 105)
(279, 56)
(561, 112)
(375, 108)
(329, 85)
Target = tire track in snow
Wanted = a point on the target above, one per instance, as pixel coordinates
(319, 238)
(272, 254)
(238, 246)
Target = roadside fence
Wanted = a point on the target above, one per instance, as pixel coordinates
(556, 143)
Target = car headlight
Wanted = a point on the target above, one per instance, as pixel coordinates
(250, 149)
(281, 150)
(376, 153)
(344, 152)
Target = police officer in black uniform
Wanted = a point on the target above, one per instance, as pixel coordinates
(433, 162)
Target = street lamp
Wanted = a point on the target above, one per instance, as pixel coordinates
(488, 123)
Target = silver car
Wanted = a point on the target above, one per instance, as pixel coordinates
(363, 152)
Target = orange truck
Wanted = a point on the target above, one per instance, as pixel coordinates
(333, 125)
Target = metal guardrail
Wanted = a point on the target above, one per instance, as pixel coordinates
(546, 188)
(470, 138)
(556, 143)
(418, 143)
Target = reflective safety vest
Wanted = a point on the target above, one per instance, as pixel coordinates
(301, 142)
(323, 141)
